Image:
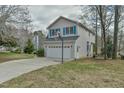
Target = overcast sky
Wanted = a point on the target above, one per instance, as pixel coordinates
(43, 15)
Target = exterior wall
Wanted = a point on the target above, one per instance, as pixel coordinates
(81, 42)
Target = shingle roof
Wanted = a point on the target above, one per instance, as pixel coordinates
(78, 23)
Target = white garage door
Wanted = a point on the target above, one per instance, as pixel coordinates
(56, 52)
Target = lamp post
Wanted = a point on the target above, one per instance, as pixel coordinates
(60, 37)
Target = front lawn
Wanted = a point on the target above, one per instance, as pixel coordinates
(80, 73)
(7, 56)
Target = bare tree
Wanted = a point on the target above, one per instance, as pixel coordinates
(115, 40)
(89, 17)
(100, 18)
(106, 15)
(120, 40)
(96, 39)
(12, 14)
(101, 12)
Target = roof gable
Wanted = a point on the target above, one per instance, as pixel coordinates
(78, 23)
(59, 18)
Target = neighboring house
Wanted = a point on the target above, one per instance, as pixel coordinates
(38, 40)
(78, 40)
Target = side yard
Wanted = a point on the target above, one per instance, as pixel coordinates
(7, 56)
(80, 73)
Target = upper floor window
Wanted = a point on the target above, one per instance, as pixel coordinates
(64, 31)
(69, 30)
(53, 32)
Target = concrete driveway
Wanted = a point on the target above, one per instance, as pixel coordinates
(12, 69)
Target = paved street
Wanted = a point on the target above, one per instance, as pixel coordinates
(12, 69)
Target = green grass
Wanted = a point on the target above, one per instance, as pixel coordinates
(7, 56)
(80, 73)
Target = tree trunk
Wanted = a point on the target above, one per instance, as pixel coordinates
(103, 29)
(96, 33)
(114, 53)
(120, 41)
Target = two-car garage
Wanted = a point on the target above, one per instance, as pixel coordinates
(54, 50)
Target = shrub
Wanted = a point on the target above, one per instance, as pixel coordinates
(40, 53)
(29, 48)
(109, 47)
(18, 50)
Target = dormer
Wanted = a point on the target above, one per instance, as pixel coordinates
(63, 25)
(66, 27)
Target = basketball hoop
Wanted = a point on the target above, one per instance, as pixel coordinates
(57, 36)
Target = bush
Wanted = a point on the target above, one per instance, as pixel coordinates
(40, 53)
(29, 48)
(18, 50)
(109, 48)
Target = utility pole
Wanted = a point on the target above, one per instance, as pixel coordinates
(61, 38)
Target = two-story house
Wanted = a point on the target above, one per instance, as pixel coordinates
(78, 40)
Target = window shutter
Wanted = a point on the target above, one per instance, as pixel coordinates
(74, 30)
(64, 31)
(50, 32)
